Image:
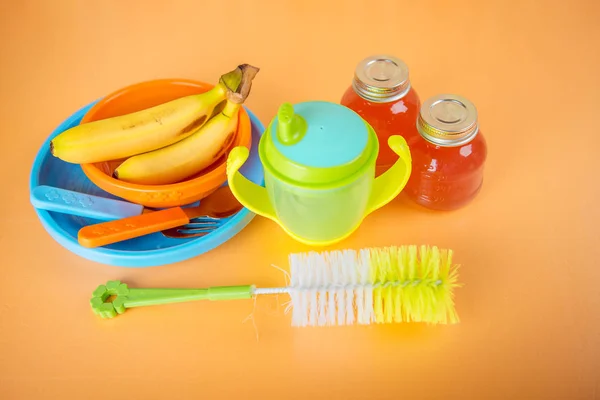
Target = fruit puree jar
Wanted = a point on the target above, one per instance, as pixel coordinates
(448, 159)
(381, 94)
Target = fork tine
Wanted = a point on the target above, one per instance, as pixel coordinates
(183, 229)
(177, 235)
(200, 225)
(183, 232)
(206, 219)
(173, 233)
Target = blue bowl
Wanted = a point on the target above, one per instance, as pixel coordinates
(146, 251)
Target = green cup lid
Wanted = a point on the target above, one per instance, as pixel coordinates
(317, 143)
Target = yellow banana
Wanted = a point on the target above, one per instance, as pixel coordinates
(187, 157)
(142, 131)
(193, 154)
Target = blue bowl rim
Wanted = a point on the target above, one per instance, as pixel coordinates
(137, 259)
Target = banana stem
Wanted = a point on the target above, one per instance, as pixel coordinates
(230, 109)
(241, 93)
(231, 80)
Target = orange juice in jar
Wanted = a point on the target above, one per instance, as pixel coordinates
(382, 95)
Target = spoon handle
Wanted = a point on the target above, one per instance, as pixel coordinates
(82, 204)
(109, 232)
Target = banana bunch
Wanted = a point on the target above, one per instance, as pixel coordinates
(166, 143)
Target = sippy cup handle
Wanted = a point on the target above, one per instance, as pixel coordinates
(388, 185)
(254, 197)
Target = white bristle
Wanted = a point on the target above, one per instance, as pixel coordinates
(330, 288)
(364, 294)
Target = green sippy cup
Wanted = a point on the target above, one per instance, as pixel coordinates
(319, 163)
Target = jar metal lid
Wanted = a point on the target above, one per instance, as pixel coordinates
(381, 78)
(448, 120)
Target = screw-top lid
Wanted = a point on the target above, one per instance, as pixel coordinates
(381, 78)
(448, 120)
(317, 142)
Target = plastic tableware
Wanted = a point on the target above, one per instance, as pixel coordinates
(319, 159)
(147, 94)
(85, 205)
(220, 204)
(146, 251)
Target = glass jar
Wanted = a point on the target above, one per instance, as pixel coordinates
(382, 95)
(448, 160)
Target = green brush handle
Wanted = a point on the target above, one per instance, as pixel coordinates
(128, 298)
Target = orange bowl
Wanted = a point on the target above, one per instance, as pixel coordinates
(148, 94)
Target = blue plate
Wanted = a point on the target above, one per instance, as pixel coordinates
(146, 251)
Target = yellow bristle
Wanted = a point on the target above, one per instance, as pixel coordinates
(413, 284)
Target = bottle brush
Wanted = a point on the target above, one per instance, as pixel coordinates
(395, 284)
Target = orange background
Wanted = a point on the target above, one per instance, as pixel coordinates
(529, 244)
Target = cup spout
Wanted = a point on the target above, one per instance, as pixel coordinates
(252, 196)
(388, 185)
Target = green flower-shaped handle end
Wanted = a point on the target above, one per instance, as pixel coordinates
(109, 309)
